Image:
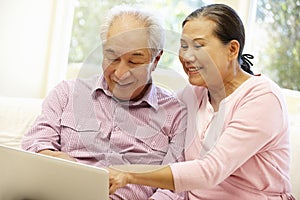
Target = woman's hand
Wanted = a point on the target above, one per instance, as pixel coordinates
(151, 175)
(117, 179)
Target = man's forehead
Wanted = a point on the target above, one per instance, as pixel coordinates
(120, 45)
(118, 50)
(128, 38)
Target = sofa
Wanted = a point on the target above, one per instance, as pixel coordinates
(18, 114)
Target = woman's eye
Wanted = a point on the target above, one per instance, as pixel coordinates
(113, 60)
(197, 46)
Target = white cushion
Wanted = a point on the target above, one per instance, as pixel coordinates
(16, 117)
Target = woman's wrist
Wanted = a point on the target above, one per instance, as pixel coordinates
(131, 179)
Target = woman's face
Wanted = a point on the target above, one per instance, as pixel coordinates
(204, 57)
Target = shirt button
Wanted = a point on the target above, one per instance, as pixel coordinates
(117, 128)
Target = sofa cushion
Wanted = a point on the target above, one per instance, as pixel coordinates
(16, 116)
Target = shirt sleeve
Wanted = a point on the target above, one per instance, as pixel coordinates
(254, 123)
(175, 154)
(175, 151)
(45, 133)
(168, 195)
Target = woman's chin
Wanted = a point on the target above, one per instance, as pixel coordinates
(196, 80)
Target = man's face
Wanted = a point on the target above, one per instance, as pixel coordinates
(127, 62)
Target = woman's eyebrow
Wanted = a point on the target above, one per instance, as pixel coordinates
(194, 39)
(199, 38)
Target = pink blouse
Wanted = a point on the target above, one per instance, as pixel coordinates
(240, 152)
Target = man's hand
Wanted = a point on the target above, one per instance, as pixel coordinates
(57, 154)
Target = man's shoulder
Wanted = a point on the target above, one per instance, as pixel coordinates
(86, 84)
(166, 96)
(163, 93)
(78, 85)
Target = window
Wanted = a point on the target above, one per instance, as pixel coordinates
(273, 36)
(89, 14)
(277, 41)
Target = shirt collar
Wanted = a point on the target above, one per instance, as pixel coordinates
(150, 96)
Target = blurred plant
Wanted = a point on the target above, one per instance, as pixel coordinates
(281, 55)
(89, 14)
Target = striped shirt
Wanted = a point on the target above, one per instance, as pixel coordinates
(83, 119)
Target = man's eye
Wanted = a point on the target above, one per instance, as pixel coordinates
(135, 62)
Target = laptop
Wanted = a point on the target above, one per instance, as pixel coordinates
(31, 176)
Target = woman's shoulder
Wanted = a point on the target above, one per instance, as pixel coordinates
(258, 86)
(262, 84)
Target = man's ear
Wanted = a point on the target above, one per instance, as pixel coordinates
(233, 48)
(156, 59)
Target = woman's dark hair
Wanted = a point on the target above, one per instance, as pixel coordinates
(229, 27)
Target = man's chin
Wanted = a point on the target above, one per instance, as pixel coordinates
(122, 95)
(130, 94)
(121, 98)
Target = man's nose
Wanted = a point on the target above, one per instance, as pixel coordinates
(122, 71)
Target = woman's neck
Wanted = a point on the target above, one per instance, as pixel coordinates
(216, 95)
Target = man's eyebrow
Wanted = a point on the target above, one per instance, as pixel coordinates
(137, 53)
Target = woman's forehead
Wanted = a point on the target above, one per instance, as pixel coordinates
(198, 28)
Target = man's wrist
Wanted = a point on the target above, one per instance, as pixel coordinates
(48, 152)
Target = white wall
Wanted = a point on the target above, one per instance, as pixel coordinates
(29, 33)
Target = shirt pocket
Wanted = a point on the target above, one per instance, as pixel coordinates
(78, 134)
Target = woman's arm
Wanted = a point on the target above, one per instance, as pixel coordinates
(160, 177)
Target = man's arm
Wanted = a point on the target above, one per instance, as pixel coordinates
(57, 154)
(45, 133)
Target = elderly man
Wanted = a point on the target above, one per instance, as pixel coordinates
(120, 117)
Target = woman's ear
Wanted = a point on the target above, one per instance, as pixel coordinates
(234, 47)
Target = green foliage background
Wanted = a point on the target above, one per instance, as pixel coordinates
(281, 55)
(90, 13)
(278, 56)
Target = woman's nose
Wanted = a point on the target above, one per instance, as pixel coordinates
(189, 55)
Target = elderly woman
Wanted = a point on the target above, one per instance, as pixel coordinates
(237, 143)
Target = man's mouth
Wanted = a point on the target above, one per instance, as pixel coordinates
(125, 84)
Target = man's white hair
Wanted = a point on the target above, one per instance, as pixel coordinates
(150, 18)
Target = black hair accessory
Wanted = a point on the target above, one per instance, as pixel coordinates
(245, 59)
(246, 63)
